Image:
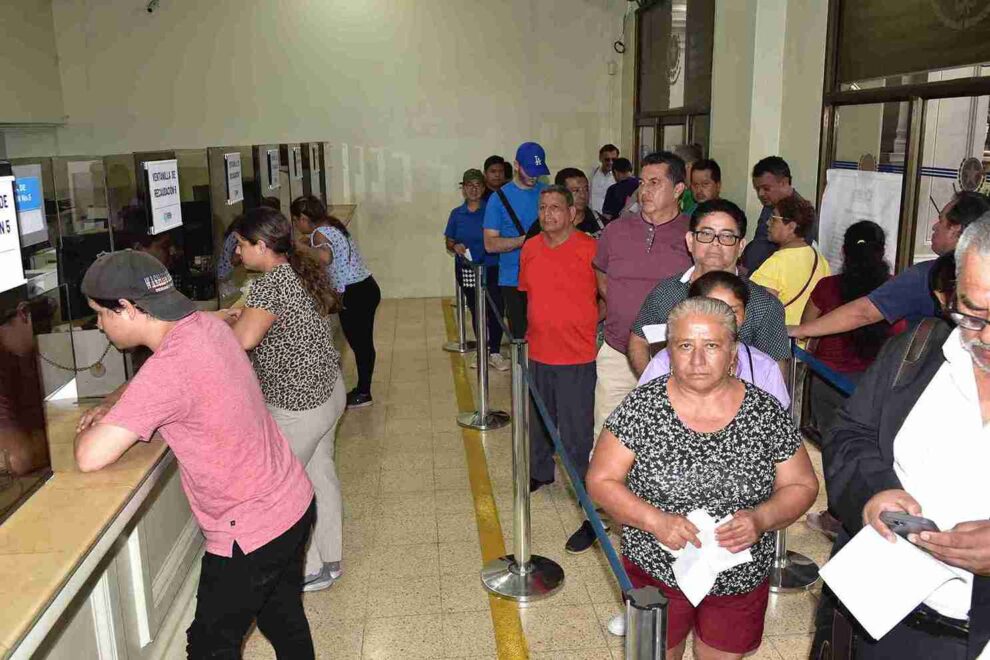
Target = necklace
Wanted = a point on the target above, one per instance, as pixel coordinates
(97, 369)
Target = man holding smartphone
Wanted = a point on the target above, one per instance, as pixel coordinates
(912, 441)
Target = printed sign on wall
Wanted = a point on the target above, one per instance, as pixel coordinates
(11, 269)
(273, 167)
(235, 185)
(30, 200)
(295, 163)
(163, 190)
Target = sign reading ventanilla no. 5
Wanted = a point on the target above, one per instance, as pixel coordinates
(163, 190)
(11, 270)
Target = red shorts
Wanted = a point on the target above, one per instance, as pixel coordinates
(732, 624)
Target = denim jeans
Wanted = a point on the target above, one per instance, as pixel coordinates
(267, 585)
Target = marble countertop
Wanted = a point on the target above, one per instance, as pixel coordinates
(54, 541)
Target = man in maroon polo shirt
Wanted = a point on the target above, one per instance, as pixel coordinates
(250, 495)
(636, 250)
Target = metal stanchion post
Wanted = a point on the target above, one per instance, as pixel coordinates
(521, 576)
(791, 571)
(646, 624)
(462, 345)
(482, 419)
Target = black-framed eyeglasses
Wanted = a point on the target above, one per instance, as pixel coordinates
(966, 321)
(708, 236)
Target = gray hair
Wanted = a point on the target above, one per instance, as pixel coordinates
(702, 306)
(975, 237)
(559, 190)
(689, 152)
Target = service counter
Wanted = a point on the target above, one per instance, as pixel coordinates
(91, 564)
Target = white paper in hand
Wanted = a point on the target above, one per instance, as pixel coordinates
(467, 254)
(655, 333)
(881, 582)
(696, 569)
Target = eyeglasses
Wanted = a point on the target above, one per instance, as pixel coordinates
(708, 236)
(967, 321)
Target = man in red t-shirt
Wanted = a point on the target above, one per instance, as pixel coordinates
(555, 271)
(250, 495)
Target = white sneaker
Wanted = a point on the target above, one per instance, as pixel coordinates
(318, 581)
(617, 625)
(334, 569)
(499, 362)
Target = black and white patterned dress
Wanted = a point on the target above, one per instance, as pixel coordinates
(296, 361)
(679, 470)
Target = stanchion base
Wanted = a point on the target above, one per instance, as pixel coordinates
(502, 578)
(797, 573)
(455, 347)
(495, 419)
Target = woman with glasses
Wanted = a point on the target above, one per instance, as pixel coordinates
(792, 272)
(352, 280)
(464, 238)
(849, 353)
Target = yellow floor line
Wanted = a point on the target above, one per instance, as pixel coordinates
(509, 638)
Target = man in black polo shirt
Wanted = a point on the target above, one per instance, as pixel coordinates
(715, 241)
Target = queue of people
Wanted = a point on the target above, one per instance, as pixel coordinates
(702, 423)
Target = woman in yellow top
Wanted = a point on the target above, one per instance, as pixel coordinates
(792, 272)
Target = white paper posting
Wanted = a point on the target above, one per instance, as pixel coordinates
(235, 184)
(696, 569)
(655, 333)
(163, 189)
(854, 195)
(881, 582)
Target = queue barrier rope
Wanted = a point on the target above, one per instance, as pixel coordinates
(829, 375)
(589, 509)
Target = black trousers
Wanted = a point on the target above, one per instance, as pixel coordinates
(267, 585)
(907, 643)
(569, 394)
(357, 318)
(492, 324)
(515, 310)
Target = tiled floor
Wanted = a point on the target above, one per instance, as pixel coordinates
(411, 586)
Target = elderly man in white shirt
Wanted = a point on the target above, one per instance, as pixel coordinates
(914, 438)
(602, 176)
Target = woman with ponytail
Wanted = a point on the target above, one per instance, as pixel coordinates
(849, 353)
(352, 280)
(286, 327)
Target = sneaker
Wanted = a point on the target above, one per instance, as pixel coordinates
(499, 362)
(581, 540)
(536, 484)
(318, 581)
(334, 569)
(357, 399)
(617, 625)
(824, 522)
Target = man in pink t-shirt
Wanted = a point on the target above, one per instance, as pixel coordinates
(250, 495)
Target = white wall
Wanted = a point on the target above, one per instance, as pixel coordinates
(410, 92)
(30, 90)
(767, 73)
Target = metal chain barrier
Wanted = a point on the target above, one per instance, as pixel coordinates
(523, 576)
(462, 345)
(483, 418)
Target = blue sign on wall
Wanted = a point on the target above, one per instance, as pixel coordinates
(27, 190)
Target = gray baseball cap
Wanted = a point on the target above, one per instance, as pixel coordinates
(139, 277)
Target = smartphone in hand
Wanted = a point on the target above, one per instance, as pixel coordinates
(903, 524)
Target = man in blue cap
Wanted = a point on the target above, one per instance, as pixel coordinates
(511, 211)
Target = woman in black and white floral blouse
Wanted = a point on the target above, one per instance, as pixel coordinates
(702, 439)
(286, 327)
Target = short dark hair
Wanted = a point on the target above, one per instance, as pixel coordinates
(569, 173)
(622, 165)
(557, 189)
(507, 166)
(719, 205)
(967, 207)
(799, 211)
(720, 279)
(272, 203)
(608, 147)
(492, 160)
(774, 165)
(676, 169)
(708, 165)
(114, 305)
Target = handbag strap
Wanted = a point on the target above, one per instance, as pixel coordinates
(814, 268)
(511, 211)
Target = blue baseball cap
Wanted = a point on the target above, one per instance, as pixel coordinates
(532, 159)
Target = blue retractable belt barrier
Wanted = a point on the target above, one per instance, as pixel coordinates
(830, 376)
(589, 508)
